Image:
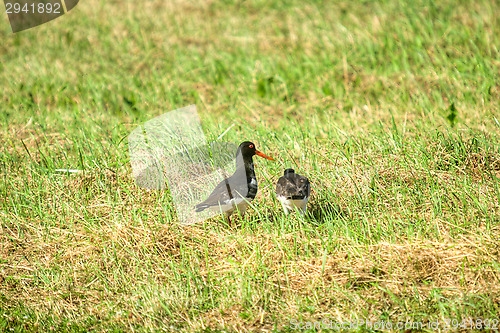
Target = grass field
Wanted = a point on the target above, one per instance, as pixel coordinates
(391, 108)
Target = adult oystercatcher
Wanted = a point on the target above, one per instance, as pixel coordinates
(236, 191)
(293, 191)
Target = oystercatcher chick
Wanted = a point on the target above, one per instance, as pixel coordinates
(293, 191)
(235, 192)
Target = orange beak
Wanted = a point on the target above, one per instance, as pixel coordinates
(264, 155)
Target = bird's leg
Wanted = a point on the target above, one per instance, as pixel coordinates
(284, 208)
(230, 222)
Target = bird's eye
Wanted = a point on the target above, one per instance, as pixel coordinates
(251, 146)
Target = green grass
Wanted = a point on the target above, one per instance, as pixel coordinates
(389, 107)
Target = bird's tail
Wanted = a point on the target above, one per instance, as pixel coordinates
(200, 207)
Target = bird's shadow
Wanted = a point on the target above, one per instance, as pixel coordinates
(318, 212)
(322, 210)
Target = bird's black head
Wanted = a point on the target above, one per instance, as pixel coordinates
(289, 171)
(247, 150)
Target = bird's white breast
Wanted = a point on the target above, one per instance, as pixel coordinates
(291, 203)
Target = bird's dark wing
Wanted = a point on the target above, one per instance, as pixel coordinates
(227, 189)
(305, 186)
(281, 186)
